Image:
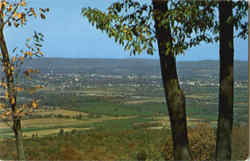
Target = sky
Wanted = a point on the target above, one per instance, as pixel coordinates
(68, 34)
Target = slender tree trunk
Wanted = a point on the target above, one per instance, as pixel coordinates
(12, 97)
(225, 120)
(174, 95)
(19, 139)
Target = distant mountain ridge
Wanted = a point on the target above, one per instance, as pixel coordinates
(145, 67)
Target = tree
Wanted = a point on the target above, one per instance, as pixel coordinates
(175, 22)
(174, 95)
(225, 119)
(227, 22)
(178, 25)
(14, 14)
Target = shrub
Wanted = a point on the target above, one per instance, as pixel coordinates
(61, 132)
(202, 141)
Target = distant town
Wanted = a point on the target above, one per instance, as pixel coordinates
(64, 81)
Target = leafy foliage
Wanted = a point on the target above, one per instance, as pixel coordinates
(130, 23)
(14, 14)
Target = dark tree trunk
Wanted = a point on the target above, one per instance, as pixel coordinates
(174, 95)
(12, 96)
(225, 119)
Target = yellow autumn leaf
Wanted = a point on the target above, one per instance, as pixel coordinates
(23, 3)
(4, 3)
(28, 53)
(42, 16)
(19, 89)
(29, 70)
(10, 8)
(13, 100)
(3, 84)
(41, 53)
(14, 15)
(23, 106)
(14, 59)
(19, 15)
(23, 20)
(2, 106)
(21, 58)
(6, 94)
(30, 110)
(38, 87)
(34, 105)
(33, 11)
(7, 113)
(3, 116)
(8, 71)
(19, 113)
(12, 68)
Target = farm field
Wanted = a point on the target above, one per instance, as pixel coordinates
(69, 110)
(96, 120)
(119, 127)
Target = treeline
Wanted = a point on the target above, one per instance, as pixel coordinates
(186, 69)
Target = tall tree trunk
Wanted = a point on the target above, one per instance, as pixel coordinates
(174, 95)
(12, 97)
(19, 139)
(225, 120)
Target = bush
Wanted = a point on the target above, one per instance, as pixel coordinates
(202, 141)
(61, 132)
(141, 156)
(74, 131)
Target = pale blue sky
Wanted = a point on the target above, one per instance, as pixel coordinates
(68, 34)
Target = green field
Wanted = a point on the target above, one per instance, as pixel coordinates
(119, 122)
(105, 103)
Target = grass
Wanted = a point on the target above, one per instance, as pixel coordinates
(123, 145)
(118, 126)
(58, 111)
(46, 126)
(200, 101)
(114, 109)
(50, 125)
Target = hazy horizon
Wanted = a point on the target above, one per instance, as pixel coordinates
(71, 35)
(141, 58)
